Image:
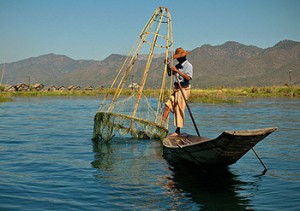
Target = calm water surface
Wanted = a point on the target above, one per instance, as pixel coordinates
(48, 161)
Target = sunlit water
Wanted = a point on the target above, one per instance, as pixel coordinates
(48, 161)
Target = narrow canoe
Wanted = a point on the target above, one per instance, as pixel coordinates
(224, 150)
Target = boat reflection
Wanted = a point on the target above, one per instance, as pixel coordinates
(124, 164)
(213, 189)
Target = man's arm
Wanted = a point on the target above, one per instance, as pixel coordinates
(185, 76)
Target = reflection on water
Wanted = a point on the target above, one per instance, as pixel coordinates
(111, 156)
(127, 164)
(216, 189)
(130, 169)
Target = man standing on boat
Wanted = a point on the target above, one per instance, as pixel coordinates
(183, 73)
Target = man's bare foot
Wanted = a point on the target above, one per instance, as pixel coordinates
(174, 134)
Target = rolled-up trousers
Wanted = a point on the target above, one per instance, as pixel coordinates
(177, 105)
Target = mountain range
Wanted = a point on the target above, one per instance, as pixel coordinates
(231, 64)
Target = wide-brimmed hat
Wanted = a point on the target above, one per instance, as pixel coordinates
(180, 52)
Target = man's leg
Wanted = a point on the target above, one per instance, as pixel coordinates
(165, 115)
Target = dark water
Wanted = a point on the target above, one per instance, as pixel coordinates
(48, 161)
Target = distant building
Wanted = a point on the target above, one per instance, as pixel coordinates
(18, 88)
(89, 88)
(134, 86)
(74, 87)
(38, 87)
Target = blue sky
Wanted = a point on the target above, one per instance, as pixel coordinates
(94, 29)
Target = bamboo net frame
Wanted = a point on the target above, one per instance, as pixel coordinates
(157, 33)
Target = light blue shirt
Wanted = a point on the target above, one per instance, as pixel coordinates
(187, 68)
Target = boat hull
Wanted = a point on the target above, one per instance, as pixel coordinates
(224, 150)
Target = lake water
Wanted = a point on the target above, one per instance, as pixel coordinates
(48, 161)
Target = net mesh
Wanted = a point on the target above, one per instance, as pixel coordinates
(144, 125)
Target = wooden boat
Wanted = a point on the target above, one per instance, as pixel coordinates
(224, 150)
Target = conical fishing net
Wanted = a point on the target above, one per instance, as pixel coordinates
(137, 115)
(120, 122)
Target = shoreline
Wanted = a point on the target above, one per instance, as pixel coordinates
(209, 95)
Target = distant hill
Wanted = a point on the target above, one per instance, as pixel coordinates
(228, 65)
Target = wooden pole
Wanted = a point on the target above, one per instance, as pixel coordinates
(259, 159)
(3, 69)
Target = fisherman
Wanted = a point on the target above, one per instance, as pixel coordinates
(183, 73)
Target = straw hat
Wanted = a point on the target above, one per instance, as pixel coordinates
(180, 53)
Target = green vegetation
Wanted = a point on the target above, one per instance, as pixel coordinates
(4, 98)
(212, 95)
(267, 91)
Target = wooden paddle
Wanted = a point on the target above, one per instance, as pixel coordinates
(262, 163)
